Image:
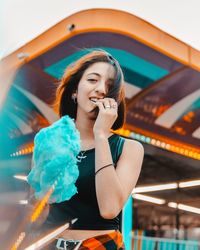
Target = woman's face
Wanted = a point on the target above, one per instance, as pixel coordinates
(94, 84)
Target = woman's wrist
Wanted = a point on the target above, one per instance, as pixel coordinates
(101, 135)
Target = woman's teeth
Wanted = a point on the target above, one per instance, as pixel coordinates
(93, 100)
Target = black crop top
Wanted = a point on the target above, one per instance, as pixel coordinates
(83, 205)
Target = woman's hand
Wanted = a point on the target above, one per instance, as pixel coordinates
(106, 117)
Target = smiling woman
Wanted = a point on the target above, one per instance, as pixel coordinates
(97, 77)
(92, 93)
(75, 73)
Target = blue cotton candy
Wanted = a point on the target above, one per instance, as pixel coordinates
(54, 160)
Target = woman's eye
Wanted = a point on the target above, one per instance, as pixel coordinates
(92, 80)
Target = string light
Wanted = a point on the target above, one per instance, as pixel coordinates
(164, 144)
(24, 151)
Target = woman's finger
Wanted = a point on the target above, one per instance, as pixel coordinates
(113, 104)
(105, 102)
(100, 105)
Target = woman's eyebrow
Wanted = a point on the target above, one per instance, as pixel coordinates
(93, 73)
(97, 74)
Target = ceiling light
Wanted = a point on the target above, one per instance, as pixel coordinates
(189, 183)
(21, 177)
(155, 188)
(148, 198)
(172, 204)
(184, 207)
(23, 202)
(189, 208)
(41, 242)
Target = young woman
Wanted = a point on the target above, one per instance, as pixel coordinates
(92, 92)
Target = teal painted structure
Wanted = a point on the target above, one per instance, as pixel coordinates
(127, 223)
(138, 71)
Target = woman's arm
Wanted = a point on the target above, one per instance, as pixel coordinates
(114, 186)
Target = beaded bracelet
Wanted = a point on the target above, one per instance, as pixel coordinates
(111, 164)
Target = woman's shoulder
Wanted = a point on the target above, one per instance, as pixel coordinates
(126, 145)
(133, 145)
(127, 141)
(133, 152)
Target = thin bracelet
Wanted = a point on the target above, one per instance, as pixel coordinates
(111, 164)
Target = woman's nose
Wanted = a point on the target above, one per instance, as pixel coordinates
(101, 88)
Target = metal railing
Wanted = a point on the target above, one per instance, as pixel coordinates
(152, 243)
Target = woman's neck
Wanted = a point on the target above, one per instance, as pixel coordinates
(85, 127)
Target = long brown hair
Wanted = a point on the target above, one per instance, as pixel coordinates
(64, 105)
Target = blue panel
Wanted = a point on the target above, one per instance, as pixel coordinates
(139, 71)
(127, 223)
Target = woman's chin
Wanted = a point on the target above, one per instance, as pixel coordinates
(94, 113)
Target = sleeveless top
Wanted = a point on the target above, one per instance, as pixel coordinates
(84, 205)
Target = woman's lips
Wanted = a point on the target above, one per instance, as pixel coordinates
(94, 100)
(95, 109)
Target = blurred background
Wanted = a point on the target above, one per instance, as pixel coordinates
(157, 44)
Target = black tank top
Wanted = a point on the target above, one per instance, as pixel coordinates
(83, 205)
